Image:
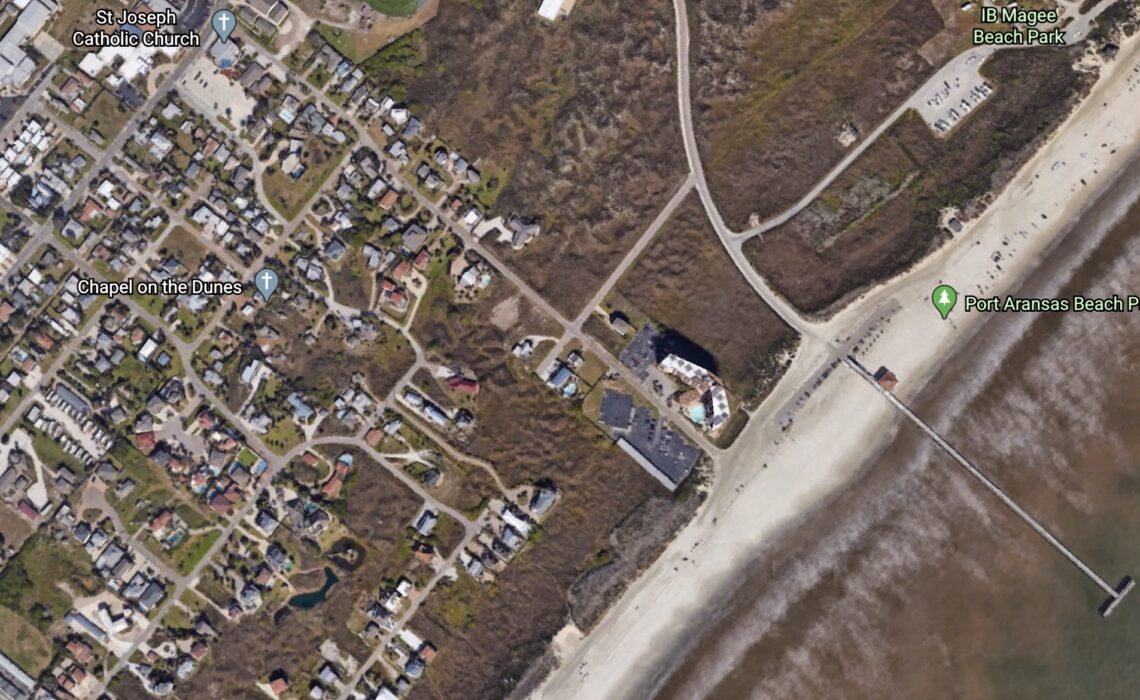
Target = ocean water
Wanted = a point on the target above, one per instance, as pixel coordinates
(914, 582)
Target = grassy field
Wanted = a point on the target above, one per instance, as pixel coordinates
(23, 643)
(177, 618)
(14, 527)
(593, 100)
(352, 282)
(318, 77)
(31, 583)
(394, 8)
(51, 453)
(68, 19)
(151, 484)
(772, 90)
(283, 436)
(359, 44)
(183, 244)
(883, 215)
(190, 515)
(106, 116)
(191, 550)
(396, 64)
(143, 379)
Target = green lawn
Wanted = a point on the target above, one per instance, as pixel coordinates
(213, 590)
(491, 184)
(177, 618)
(247, 457)
(190, 515)
(318, 77)
(394, 8)
(283, 436)
(104, 115)
(191, 551)
(51, 454)
(23, 643)
(141, 378)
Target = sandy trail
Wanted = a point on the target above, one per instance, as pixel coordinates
(770, 480)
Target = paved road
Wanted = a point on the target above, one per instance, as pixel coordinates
(276, 463)
(185, 351)
(630, 258)
(783, 309)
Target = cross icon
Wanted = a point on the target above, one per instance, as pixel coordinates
(225, 20)
(266, 278)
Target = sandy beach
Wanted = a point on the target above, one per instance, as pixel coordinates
(772, 479)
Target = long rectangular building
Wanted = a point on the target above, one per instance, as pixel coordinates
(15, 683)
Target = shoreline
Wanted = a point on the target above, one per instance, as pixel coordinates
(630, 652)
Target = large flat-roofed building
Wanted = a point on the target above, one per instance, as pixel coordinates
(72, 399)
(665, 454)
(616, 409)
(15, 683)
(16, 66)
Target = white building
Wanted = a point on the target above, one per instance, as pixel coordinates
(553, 10)
(15, 64)
(713, 395)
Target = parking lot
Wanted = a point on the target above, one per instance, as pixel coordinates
(945, 103)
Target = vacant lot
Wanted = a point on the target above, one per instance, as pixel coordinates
(883, 216)
(325, 368)
(378, 508)
(288, 196)
(686, 282)
(23, 643)
(489, 636)
(37, 582)
(352, 282)
(394, 8)
(774, 83)
(463, 333)
(152, 485)
(576, 123)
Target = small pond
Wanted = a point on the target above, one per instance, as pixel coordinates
(314, 598)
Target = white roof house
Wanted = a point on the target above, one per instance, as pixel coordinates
(552, 10)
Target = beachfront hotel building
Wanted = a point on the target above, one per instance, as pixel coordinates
(706, 402)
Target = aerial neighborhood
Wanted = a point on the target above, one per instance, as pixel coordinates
(380, 349)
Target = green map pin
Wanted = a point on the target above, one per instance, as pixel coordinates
(944, 298)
